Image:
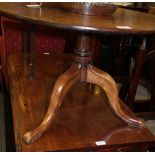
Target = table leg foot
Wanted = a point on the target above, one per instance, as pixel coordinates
(106, 82)
(62, 85)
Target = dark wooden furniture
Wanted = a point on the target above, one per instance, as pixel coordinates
(147, 82)
(121, 22)
(150, 57)
(81, 123)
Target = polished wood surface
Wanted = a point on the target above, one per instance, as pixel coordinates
(128, 21)
(61, 87)
(81, 119)
(106, 82)
(81, 70)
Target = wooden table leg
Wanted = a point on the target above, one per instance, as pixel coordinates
(81, 70)
(62, 85)
(106, 82)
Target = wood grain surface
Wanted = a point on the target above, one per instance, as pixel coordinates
(83, 118)
(123, 21)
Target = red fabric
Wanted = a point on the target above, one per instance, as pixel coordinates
(45, 40)
(49, 41)
(12, 37)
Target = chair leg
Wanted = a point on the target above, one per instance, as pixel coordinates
(62, 85)
(105, 81)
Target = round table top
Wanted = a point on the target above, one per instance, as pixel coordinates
(123, 21)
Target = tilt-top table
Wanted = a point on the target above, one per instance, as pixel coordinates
(121, 22)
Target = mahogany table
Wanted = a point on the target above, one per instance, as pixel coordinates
(84, 121)
(121, 22)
